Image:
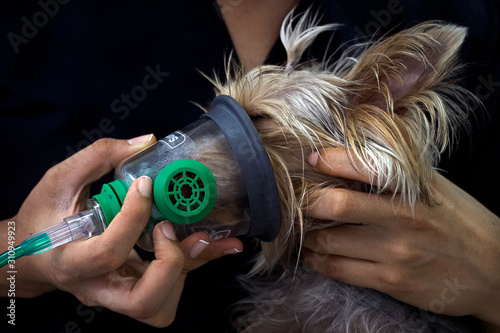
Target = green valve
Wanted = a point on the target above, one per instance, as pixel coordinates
(185, 191)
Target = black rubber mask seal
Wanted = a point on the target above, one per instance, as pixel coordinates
(258, 175)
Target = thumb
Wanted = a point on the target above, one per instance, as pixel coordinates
(96, 160)
(111, 249)
(165, 242)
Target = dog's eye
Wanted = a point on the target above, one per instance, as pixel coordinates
(256, 117)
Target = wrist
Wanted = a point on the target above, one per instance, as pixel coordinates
(22, 277)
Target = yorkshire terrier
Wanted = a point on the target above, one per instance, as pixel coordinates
(394, 105)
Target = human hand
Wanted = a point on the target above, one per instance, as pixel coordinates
(105, 270)
(443, 257)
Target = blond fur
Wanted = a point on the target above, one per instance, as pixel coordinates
(394, 105)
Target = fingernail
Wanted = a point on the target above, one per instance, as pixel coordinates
(198, 248)
(140, 140)
(145, 186)
(168, 230)
(232, 251)
(312, 159)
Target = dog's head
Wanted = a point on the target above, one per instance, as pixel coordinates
(392, 104)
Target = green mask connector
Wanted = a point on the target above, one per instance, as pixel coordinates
(111, 198)
(184, 192)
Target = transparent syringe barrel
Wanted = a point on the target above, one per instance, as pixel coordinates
(82, 225)
(201, 141)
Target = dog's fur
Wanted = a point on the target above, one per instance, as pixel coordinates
(392, 104)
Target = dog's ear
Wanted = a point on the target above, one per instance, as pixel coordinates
(405, 109)
(414, 60)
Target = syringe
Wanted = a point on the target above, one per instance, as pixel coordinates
(82, 225)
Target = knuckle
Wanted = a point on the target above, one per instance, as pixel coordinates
(323, 242)
(400, 252)
(320, 242)
(51, 179)
(175, 261)
(107, 257)
(53, 172)
(102, 146)
(62, 279)
(316, 261)
(403, 252)
(140, 309)
(332, 269)
(394, 281)
(423, 221)
(341, 204)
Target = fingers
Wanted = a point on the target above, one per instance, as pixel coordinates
(355, 241)
(350, 206)
(343, 205)
(96, 160)
(353, 271)
(389, 262)
(336, 162)
(111, 249)
(155, 296)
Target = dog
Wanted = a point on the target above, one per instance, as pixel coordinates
(393, 104)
